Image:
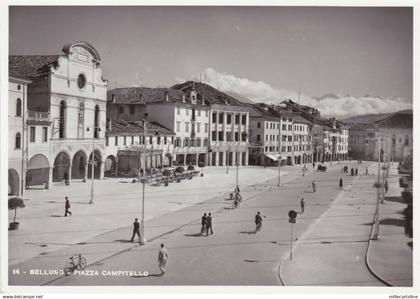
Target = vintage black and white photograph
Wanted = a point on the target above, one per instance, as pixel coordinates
(210, 146)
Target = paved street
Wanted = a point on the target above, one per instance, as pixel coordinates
(235, 255)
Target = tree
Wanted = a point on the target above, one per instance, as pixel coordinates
(14, 204)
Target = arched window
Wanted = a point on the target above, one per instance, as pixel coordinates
(96, 122)
(18, 107)
(17, 141)
(81, 120)
(62, 127)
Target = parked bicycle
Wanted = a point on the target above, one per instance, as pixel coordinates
(76, 262)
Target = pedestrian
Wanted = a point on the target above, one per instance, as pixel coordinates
(341, 183)
(367, 170)
(356, 171)
(313, 164)
(209, 226)
(66, 178)
(386, 186)
(136, 230)
(352, 172)
(302, 205)
(314, 185)
(162, 259)
(67, 207)
(258, 222)
(203, 223)
(237, 190)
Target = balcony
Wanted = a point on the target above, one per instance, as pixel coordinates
(38, 116)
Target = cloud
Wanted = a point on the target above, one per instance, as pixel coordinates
(330, 105)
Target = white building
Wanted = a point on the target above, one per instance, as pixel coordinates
(302, 140)
(69, 91)
(179, 112)
(229, 123)
(17, 134)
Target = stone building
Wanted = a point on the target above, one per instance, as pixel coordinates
(68, 91)
(302, 140)
(395, 133)
(17, 134)
(228, 124)
(183, 113)
(129, 148)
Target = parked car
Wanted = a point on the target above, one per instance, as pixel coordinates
(322, 167)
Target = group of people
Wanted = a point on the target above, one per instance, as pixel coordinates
(206, 224)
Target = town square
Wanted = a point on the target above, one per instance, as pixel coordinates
(130, 168)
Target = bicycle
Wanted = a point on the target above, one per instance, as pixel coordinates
(72, 264)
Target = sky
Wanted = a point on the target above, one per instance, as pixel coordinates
(360, 57)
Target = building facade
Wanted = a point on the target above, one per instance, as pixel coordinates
(68, 92)
(228, 124)
(179, 112)
(17, 134)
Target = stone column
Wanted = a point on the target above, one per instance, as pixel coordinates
(217, 158)
(86, 172)
(69, 172)
(185, 159)
(196, 159)
(50, 178)
(101, 170)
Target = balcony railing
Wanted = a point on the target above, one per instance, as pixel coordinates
(38, 116)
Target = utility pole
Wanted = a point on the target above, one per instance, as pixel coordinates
(143, 239)
(375, 235)
(279, 142)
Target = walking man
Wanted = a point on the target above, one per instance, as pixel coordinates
(136, 229)
(352, 172)
(356, 171)
(341, 183)
(66, 178)
(203, 223)
(313, 164)
(367, 170)
(209, 226)
(302, 205)
(67, 207)
(314, 185)
(162, 259)
(258, 222)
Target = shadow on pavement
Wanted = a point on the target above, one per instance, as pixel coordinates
(392, 221)
(394, 199)
(194, 235)
(253, 232)
(56, 216)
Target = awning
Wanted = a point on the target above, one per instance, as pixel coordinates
(272, 157)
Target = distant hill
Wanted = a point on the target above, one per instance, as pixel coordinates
(365, 118)
(239, 97)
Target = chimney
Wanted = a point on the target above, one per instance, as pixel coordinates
(166, 96)
(141, 98)
(113, 98)
(183, 98)
(193, 85)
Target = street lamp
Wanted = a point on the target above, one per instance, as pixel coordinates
(278, 184)
(96, 129)
(143, 240)
(237, 163)
(375, 235)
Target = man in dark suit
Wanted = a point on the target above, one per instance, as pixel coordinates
(136, 230)
(67, 207)
(209, 226)
(203, 223)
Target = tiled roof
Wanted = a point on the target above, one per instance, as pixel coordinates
(401, 119)
(136, 128)
(210, 94)
(31, 66)
(299, 119)
(134, 95)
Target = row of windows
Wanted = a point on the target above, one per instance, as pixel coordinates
(32, 136)
(193, 111)
(289, 148)
(149, 140)
(229, 118)
(187, 127)
(194, 142)
(229, 136)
